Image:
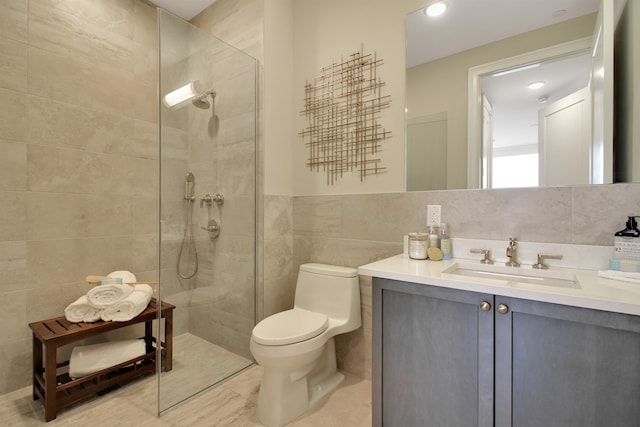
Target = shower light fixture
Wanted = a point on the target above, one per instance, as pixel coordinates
(181, 95)
(436, 9)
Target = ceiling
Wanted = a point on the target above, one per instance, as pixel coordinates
(185, 9)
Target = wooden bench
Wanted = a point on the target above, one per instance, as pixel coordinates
(59, 390)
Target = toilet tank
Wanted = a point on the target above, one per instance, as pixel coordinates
(330, 290)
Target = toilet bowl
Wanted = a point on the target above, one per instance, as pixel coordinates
(296, 347)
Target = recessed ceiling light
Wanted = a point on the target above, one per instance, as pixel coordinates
(535, 85)
(436, 9)
(558, 13)
(543, 99)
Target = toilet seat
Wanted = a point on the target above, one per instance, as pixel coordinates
(290, 326)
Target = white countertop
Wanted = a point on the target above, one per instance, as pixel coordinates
(594, 292)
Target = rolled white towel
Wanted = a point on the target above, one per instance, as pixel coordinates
(81, 311)
(88, 359)
(104, 296)
(129, 307)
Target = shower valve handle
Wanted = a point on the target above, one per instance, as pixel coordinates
(213, 227)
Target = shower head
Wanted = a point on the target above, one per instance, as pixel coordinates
(201, 101)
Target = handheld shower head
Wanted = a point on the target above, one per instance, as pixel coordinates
(201, 101)
(189, 187)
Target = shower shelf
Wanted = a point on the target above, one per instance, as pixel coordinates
(58, 390)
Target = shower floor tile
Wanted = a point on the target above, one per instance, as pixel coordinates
(232, 403)
(197, 364)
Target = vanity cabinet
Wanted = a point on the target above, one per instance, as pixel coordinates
(446, 357)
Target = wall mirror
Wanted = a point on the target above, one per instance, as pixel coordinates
(473, 122)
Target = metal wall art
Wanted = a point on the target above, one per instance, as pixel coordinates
(342, 107)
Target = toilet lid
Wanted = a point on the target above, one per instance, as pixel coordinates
(290, 326)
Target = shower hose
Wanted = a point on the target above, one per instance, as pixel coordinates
(188, 246)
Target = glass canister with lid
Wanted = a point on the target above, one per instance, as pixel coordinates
(418, 245)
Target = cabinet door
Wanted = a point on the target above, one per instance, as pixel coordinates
(565, 366)
(432, 356)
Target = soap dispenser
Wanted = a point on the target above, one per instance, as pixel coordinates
(627, 241)
(445, 242)
(631, 229)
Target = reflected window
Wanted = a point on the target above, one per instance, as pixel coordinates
(515, 171)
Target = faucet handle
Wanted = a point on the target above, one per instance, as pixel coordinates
(487, 255)
(540, 265)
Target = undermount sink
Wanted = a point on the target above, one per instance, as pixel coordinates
(523, 274)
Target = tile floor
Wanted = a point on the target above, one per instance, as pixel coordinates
(233, 403)
(197, 364)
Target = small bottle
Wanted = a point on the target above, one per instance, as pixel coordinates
(418, 244)
(445, 242)
(434, 237)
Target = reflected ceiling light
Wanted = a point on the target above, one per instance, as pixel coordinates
(181, 95)
(535, 85)
(436, 9)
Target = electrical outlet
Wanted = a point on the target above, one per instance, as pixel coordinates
(433, 215)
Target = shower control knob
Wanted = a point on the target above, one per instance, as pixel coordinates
(218, 198)
(213, 228)
(207, 198)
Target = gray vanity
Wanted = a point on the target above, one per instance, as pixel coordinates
(454, 351)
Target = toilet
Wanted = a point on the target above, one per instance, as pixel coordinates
(296, 347)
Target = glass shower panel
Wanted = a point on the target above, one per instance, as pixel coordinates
(207, 206)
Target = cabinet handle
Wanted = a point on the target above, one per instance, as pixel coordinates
(485, 306)
(503, 309)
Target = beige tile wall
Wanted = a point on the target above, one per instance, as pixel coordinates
(78, 170)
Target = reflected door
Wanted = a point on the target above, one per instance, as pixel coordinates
(564, 140)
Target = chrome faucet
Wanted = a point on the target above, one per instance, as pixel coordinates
(512, 252)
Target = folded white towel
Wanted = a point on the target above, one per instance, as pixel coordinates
(88, 359)
(129, 307)
(625, 276)
(81, 311)
(104, 296)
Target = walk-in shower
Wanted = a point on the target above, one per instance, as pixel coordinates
(207, 240)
